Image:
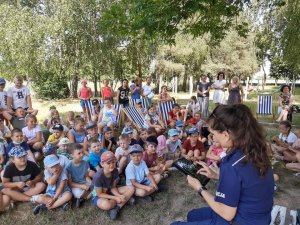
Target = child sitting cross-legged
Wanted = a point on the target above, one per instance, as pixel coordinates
(57, 134)
(58, 192)
(122, 152)
(22, 180)
(139, 176)
(215, 153)
(78, 178)
(63, 145)
(106, 194)
(173, 145)
(50, 149)
(150, 157)
(193, 148)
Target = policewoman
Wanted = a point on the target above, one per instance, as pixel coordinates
(244, 195)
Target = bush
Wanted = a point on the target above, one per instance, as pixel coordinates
(50, 86)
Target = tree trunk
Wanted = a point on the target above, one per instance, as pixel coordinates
(95, 85)
(185, 77)
(74, 85)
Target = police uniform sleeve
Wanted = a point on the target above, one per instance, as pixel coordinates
(229, 187)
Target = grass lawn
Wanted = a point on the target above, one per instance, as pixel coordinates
(167, 207)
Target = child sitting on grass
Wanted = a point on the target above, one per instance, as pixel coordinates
(142, 137)
(152, 120)
(58, 192)
(17, 140)
(129, 131)
(174, 115)
(77, 134)
(180, 127)
(96, 150)
(22, 180)
(50, 149)
(106, 195)
(4, 201)
(63, 145)
(139, 176)
(122, 153)
(57, 134)
(215, 153)
(109, 140)
(17, 120)
(70, 119)
(173, 145)
(55, 119)
(92, 132)
(193, 148)
(78, 178)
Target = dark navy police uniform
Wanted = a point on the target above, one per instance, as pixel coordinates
(240, 186)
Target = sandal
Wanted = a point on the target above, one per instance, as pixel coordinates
(164, 175)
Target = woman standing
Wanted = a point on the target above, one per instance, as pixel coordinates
(244, 194)
(236, 92)
(135, 90)
(286, 100)
(122, 94)
(203, 88)
(219, 86)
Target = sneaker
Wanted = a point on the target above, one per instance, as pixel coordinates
(162, 188)
(77, 202)
(131, 201)
(148, 198)
(113, 213)
(66, 206)
(39, 208)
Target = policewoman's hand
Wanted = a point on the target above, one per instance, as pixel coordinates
(193, 182)
(211, 173)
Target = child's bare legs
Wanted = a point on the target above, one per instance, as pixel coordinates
(127, 191)
(100, 127)
(38, 146)
(122, 164)
(4, 201)
(91, 173)
(37, 189)
(106, 204)
(172, 124)
(277, 148)
(293, 166)
(111, 125)
(289, 156)
(142, 193)
(45, 199)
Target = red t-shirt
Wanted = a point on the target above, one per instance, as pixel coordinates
(172, 116)
(149, 162)
(107, 92)
(188, 147)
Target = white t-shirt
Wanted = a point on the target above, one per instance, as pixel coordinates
(119, 152)
(3, 100)
(18, 96)
(4, 131)
(290, 138)
(147, 89)
(31, 134)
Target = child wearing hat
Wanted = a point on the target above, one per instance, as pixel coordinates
(58, 192)
(63, 146)
(192, 148)
(22, 180)
(106, 195)
(78, 178)
(129, 131)
(57, 134)
(180, 127)
(50, 149)
(173, 144)
(139, 176)
(92, 133)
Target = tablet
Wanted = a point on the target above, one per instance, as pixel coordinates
(188, 168)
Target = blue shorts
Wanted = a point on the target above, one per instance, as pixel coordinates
(146, 182)
(95, 200)
(82, 102)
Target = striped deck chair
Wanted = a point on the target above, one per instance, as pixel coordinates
(88, 105)
(264, 106)
(118, 107)
(135, 116)
(134, 101)
(164, 108)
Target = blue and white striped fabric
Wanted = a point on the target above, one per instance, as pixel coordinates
(164, 108)
(89, 106)
(134, 101)
(264, 105)
(135, 116)
(118, 107)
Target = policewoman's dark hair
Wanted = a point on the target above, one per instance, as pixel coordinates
(245, 133)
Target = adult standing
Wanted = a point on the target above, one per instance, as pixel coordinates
(236, 92)
(147, 91)
(203, 88)
(135, 89)
(286, 100)
(245, 189)
(84, 93)
(122, 94)
(219, 86)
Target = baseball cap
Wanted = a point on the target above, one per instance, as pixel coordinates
(173, 132)
(64, 141)
(49, 149)
(193, 131)
(107, 156)
(135, 149)
(179, 124)
(152, 140)
(51, 160)
(193, 121)
(17, 151)
(58, 127)
(2, 81)
(91, 125)
(127, 130)
(95, 101)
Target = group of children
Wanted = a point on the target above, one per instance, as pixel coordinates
(82, 160)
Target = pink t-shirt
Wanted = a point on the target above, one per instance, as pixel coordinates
(107, 92)
(149, 162)
(217, 152)
(85, 93)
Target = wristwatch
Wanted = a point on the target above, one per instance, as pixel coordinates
(201, 189)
